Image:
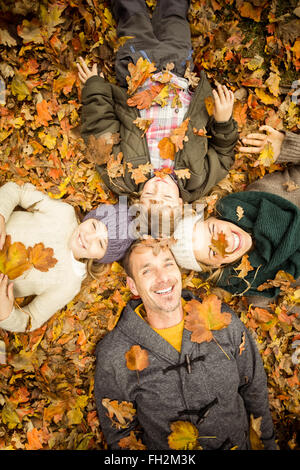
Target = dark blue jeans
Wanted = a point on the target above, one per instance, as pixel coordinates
(164, 39)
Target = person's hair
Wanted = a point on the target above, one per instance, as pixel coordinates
(96, 270)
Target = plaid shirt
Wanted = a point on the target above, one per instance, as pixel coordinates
(165, 118)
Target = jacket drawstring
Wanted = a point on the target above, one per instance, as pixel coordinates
(187, 363)
(202, 413)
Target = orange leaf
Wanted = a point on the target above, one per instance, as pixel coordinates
(131, 442)
(139, 74)
(120, 413)
(33, 438)
(137, 358)
(220, 244)
(41, 257)
(209, 104)
(242, 345)
(244, 267)
(43, 114)
(205, 316)
(114, 166)
(183, 173)
(144, 99)
(13, 259)
(139, 173)
(166, 148)
(249, 11)
(163, 172)
(65, 83)
(143, 124)
(178, 135)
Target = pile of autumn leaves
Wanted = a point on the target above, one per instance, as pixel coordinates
(47, 384)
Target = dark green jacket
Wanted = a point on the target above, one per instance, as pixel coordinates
(105, 110)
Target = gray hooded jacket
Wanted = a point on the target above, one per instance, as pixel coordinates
(217, 395)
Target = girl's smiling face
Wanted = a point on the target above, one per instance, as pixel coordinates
(89, 240)
(239, 242)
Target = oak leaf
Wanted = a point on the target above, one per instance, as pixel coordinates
(240, 212)
(163, 172)
(244, 267)
(255, 433)
(137, 358)
(162, 97)
(220, 244)
(139, 74)
(131, 442)
(203, 317)
(143, 124)
(290, 186)
(184, 173)
(120, 413)
(139, 174)
(115, 167)
(41, 258)
(184, 436)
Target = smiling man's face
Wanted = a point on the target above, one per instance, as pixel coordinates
(156, 279)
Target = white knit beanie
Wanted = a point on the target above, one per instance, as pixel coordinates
(183, 248)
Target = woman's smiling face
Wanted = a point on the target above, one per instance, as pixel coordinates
(238, 242)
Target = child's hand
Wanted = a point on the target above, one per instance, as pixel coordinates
(84, 72)
(224, 100)
(258, 141)
(6, 297)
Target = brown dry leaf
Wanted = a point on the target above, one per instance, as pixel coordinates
(191, 76)
(282, 280)
(137, 358)
(205, 316)
(158, 244)
(290, 186)
(139, 74)
(121, 414)
(143, 124)
(115, 167)
(139, 174)
(13, 259)
(131, 442)
(220, 244)
(178, 135)
(99, 149)
(255, 433)
(244, 267)
(200, 132)
(144, 99)
(41, 258)
(240, 212)
(183, 173)
(242, 345)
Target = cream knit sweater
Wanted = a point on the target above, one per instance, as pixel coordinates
(51, 223)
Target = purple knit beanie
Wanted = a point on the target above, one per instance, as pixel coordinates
(117, 220)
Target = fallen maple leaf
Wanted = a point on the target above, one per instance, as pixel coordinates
(121, 414)
(184, 436)
(137, 358)
(144, 99)
(13, 259)
(205, 316)
(138, 74)
(41, 258)
(244, 267)
(131, 442)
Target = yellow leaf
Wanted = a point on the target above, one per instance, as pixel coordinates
(19, 87)
(47, 140)
(273, 83)
(266, 156)
(184, 436)
(255, 433)
(265, 97)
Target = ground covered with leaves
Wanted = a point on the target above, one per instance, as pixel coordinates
(46, 393)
